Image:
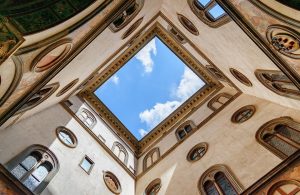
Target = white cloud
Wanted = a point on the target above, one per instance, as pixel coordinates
(188, 85)
(115, 79)
(159, 112)
(144, 56)
(143, 132)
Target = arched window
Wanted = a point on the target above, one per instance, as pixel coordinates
(34, 167)
(218, 101)
(120, 151)
(184, 129)
(39, 97)
(217, 180)
(151, 157)
(278, 82)
(281, 136)
(153, 187)
(209, 12)
(87, 118)
(126, 16)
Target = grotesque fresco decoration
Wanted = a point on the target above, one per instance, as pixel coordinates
(37, 15)
(9, 39)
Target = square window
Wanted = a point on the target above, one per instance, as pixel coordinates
(87, 164)
(216, 12)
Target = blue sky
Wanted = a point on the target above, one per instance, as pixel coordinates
(149, 87)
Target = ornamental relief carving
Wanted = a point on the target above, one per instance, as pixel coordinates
(285, 40)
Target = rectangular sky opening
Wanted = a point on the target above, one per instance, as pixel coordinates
(148, 88)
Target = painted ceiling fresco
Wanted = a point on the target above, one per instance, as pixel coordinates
(32, 16)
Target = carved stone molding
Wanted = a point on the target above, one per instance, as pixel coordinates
(155, 31)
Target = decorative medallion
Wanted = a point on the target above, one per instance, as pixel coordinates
(240, 77)
(112, 182)
(243, 114)
(197, 152)
(188, 24)
(67, 87)
(285, 187)
(51, 56)
(285, 40)
(132, 28)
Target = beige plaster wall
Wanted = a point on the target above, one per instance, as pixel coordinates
(231, 144)
(70, 179)
(102, 129)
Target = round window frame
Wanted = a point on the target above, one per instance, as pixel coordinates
(67, 88)
(202, 144)
(239, 111)
(150, 186)
(70, 133)
(241, 77)
(111, 175)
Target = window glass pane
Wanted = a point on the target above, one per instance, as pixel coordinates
(66, 138)
(203, 2)
(288, 132)
(188, 128)
(18, 171)
(281, 145)
(210, 189)
(89, 121)
(181, 134)
(86, 164)
(31, 183)
(29, 162)
(216, 11)
(224, 184)
(40, 173)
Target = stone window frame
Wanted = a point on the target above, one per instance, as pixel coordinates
(202, 12)
(90, 161)
(39, 97)
(153, 185)
(122, 149)
(182, 128)
(70, 133)
(67, 87)
(241, 111)
(90, 115)
(132, 28)
(265, 77)
(115, 180)
(150, 155)
(47, 156)
(211, 102)
(127, 18)
(269, 128)
(196, 147)
(240, 77)
(188, 24)
(216, 72)
(209, 175)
